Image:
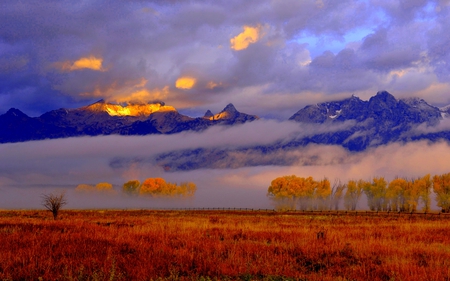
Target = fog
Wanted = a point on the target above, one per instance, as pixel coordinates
(30, 169)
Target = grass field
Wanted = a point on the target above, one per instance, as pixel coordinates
(219, 245)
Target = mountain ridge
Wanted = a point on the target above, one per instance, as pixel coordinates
(103, 118)
(380, 120)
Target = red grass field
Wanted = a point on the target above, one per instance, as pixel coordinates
(217, 245)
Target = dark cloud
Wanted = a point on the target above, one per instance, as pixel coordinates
(160, 41)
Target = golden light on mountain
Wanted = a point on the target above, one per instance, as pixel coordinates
(91, 62)
(244, 39)
(219, 116)
(137, 110)
(185, 82)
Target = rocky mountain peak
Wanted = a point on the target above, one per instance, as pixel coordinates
(230, 108)
(15, 113)
(208, 114)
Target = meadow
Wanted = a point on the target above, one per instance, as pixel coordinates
(223, 245)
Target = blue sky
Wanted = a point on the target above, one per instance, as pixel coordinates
(267, 57)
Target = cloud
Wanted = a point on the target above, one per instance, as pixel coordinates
(249, 36)
(31, 168)
(185, 82)
(247, 52)
(91, 62)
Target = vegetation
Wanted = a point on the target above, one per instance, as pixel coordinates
(53, 203)
(99, 187)
(400, 195)
(154, 187)
(205, 245)
(158, 187)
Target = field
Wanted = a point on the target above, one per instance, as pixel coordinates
(222, 245)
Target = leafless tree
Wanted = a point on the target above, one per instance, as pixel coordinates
(53, 203)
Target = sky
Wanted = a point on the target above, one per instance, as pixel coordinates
(267, 57)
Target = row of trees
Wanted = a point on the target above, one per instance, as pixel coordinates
(158, 187)
(403, 195)
(155, 187)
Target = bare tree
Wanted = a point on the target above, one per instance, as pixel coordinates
(53, 203)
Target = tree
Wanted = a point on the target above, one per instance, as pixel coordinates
(53, 203)
(131, 187)
(292, 191)
(337, 192)
(395, 194)
(101, 187)
(441, 186)
(104, 186)
(353, 193)
(376, 194)
(322, 194)
(152, 186)
(158, 187)
(425, 191)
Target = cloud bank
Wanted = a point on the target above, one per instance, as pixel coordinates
(31, 168)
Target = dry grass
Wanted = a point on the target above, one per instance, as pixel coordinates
(214, 245)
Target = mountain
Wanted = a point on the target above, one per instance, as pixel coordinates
(351, 123)
(103, 118)
(381, 120)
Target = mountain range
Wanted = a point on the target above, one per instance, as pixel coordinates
(352, 123)
(102, 118)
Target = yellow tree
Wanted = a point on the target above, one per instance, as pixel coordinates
(441, 186)
(337, 192)
(322, 194)
(188, 189)
(424, 185)
(376, 194)
(290, 191)
(353, 193)
(104, 187)
(131, 187)
(412, 195)
(395, 194)
(305, 189)
(152, 186)
(283, 191)
(85, 188)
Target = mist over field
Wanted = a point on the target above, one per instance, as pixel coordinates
(30, 169)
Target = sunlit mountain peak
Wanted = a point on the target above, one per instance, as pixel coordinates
(139, 109)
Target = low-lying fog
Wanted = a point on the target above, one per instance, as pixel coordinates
(27, 170)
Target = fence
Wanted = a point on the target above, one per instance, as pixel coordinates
(324, 212)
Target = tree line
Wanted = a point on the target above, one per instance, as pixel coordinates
(400, 195)
(153, 187)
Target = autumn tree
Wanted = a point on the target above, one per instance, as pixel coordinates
(158, 187)
(188, 189)
(336, 195)
(322, 193)
(376, 194)
(425, 185)
(284, 191)
(412, 196)
(353, 193)
(101, 187)
(54, 203)
(395, 194)
(441, 186)
(104, 187)
(131, 187)
(305, 193)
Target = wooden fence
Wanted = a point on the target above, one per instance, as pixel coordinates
(435, 214)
